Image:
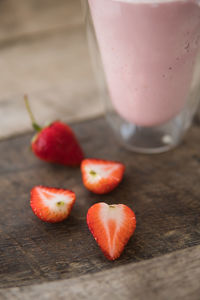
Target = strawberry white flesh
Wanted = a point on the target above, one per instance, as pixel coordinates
(112, 226)
(51, 204)
(101, 176)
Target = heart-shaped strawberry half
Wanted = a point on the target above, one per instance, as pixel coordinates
(112, 226)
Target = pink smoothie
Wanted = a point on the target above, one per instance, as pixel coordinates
(148, 51)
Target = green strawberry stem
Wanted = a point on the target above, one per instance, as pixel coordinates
(34, 123)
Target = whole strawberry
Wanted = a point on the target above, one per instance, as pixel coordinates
(55, 143)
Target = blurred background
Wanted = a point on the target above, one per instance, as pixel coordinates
(44, 53)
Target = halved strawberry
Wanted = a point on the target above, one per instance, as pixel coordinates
(101, 176)
(51, 204)
(112, 226)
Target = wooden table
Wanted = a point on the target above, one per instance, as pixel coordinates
(162, 259)
(62, 261)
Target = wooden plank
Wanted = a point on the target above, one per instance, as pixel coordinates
(26, 18)
(163, 190)
(173, 276)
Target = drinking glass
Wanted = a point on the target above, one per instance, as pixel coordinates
(146, 57)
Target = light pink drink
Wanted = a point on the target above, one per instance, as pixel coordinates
(149, 49)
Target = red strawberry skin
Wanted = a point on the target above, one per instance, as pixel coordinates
(112, 226)
(101, 176)
(51, 204)
(58, 144)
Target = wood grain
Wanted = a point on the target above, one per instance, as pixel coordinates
(163, 190)
(173, 276)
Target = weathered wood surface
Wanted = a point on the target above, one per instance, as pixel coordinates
(173, 276)
(163, 190)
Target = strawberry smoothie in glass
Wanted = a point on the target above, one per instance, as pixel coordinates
(150, 52)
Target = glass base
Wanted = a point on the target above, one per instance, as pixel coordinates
(156, 139)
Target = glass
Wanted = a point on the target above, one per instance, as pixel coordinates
(146, 56)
